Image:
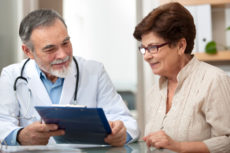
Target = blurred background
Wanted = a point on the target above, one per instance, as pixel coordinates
(102, 30)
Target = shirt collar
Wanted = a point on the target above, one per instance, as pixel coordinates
(40, 73)
(183, 74)
(43, 76)
(187, 69)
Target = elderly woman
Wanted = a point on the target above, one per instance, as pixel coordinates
(189, 107)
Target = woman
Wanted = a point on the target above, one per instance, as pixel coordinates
(189, 107)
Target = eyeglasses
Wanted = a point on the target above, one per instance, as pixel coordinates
(153, 49)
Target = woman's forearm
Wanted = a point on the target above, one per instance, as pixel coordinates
(193, 147)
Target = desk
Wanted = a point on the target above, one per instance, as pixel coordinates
(137, 147)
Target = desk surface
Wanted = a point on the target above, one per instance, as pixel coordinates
(137, 147)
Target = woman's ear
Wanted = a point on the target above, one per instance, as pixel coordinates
(27, 51)
(182, 44)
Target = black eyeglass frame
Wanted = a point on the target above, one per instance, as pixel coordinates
(151, 47)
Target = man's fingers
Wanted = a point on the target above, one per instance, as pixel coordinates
(118, 136)
(112, 138)
(43, 137)
(38, 133)
(47, 127)
(56, 133)
(117, 126)
(111, 124)
(116, 142)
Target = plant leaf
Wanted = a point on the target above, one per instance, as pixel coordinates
(210, 47)
(228, 28)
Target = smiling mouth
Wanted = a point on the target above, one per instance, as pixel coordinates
(60, 65)
(153, 64)
(62, 62)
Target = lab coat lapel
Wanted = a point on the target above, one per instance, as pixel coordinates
(69, 86)
(36, 86)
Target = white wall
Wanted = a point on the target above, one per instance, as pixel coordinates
(149, 77)
(11, 14)
(144, 73)
(102, 30)
(8, 32)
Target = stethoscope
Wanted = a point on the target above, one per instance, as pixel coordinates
(25, 79)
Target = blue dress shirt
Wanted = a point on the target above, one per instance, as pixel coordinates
(54, 89)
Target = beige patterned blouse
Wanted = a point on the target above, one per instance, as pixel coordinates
(200, 107)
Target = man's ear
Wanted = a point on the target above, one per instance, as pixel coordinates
(182, 44)
(27, 51)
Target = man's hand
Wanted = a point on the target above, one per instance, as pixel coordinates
(118, 135)
(38, 133)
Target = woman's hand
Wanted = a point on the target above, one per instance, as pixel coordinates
(161, 140)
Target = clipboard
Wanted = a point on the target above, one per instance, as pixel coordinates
(82, 125)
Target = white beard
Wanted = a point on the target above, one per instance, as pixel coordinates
(58, 73)
(61, 73)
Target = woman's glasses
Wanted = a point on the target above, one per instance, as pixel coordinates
(153, 49)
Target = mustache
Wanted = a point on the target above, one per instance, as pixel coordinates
(59, 61)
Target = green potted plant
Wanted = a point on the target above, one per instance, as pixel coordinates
(211, 46)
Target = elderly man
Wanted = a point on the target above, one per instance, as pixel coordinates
(54, 76)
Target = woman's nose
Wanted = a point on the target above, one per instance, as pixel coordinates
(147, 55)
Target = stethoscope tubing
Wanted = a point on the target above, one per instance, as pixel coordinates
(23, 78)
(21, 75)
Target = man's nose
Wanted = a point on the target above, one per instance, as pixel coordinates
(61, 53)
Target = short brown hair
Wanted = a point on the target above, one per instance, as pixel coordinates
(170, 21)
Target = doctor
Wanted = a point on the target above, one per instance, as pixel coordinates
(54, 76)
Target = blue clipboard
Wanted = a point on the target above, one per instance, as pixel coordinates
(82, 125)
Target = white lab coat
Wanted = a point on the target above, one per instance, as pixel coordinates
(95, 90)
